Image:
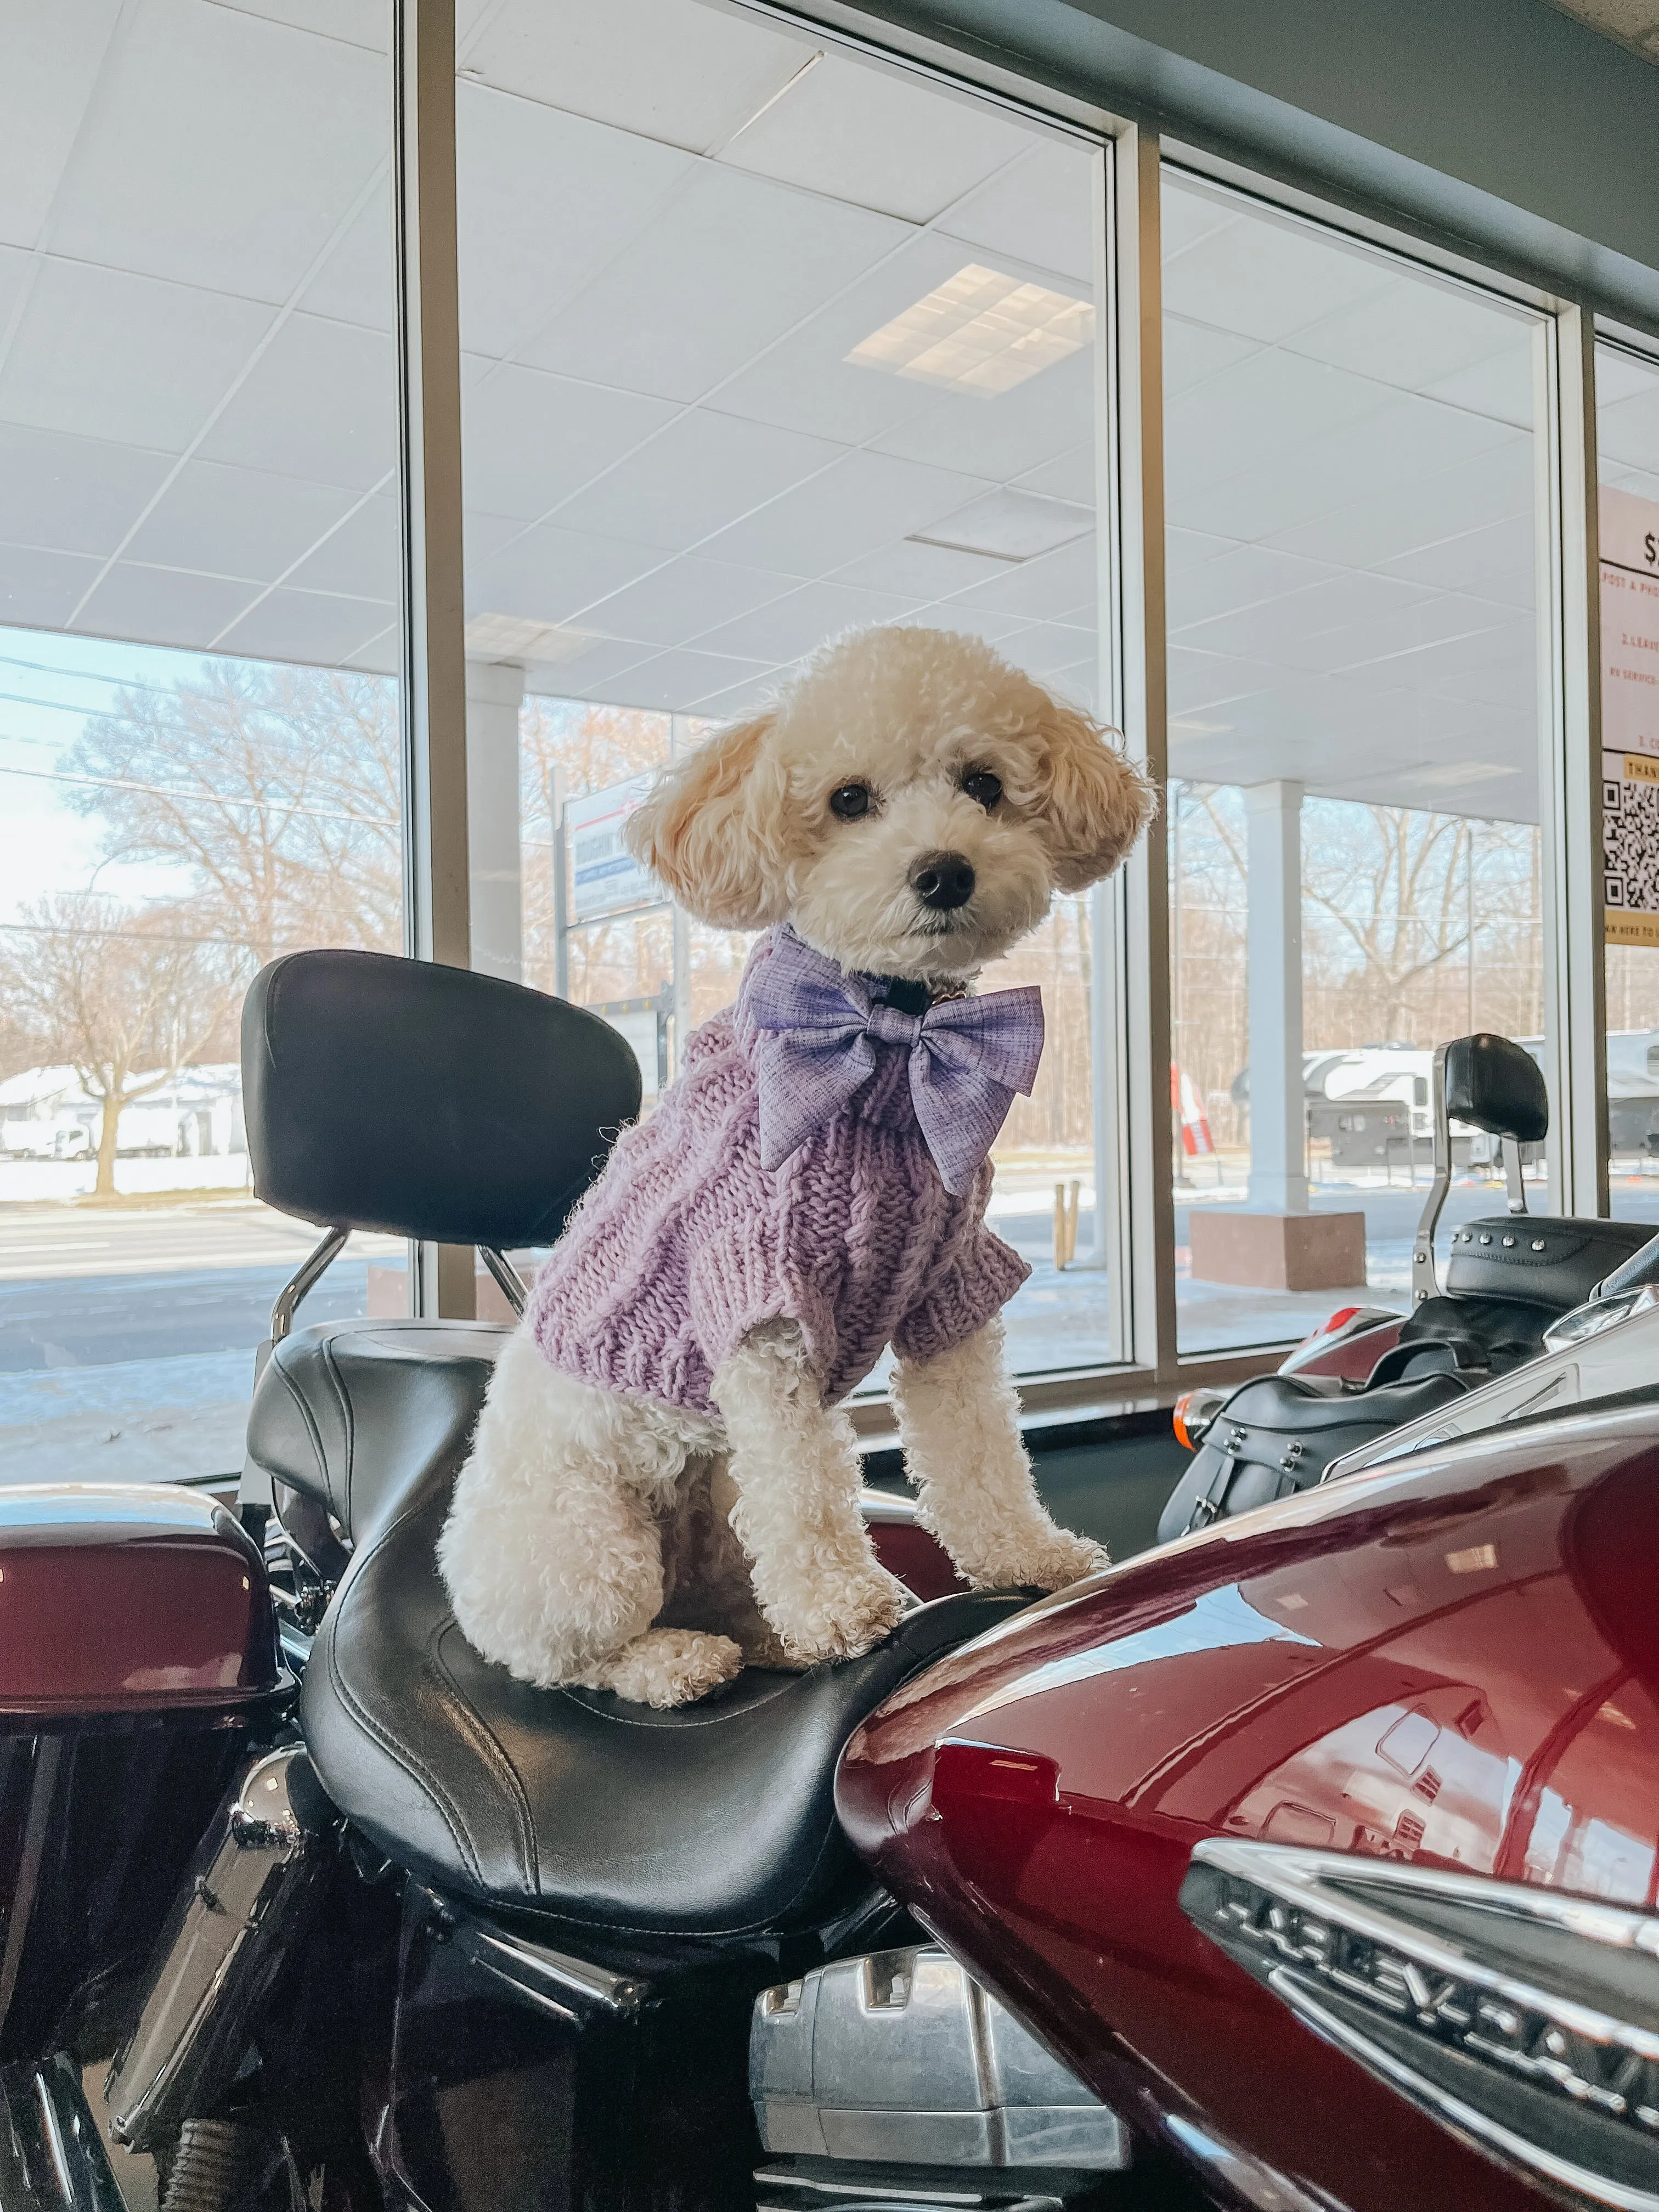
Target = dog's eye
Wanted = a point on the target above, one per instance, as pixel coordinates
(982, 787)
(852, 800)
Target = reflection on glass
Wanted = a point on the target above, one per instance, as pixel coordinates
(1627, 435)
(1353, 747)
(761, 345)
(199, 749)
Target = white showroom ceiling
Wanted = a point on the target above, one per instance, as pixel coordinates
(758, 342)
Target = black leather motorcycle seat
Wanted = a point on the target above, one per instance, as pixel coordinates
(1543, 1259)
(715, 1820)
(350, 1413)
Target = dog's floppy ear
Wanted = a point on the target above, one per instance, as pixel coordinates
(699, 831)
(1098, 803)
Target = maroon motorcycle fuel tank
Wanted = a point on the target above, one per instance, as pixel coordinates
(1427, 1696)
(137, 1652)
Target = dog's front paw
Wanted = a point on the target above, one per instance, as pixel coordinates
(664, 1668)
(1049, 1563)
(845, 1619)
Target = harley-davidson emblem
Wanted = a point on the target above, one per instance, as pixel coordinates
(1526, 2019)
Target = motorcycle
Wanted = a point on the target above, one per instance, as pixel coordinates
(309, 1905)
(1367, 1371)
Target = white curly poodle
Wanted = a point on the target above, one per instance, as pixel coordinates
(662, 1484)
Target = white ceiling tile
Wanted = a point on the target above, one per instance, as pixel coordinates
(528, 439)
(551, 575)
(107, 354)
(1017, 432)
(1644, 482)
(683, 599)
(362, 558)
(1496, 561)
(313, 627)
(663, 69)
(236, 522)
(75, 493)
(852, 508)
(1410, 508)
(1261, 277)
(1238, 577)
(1188, 212)
(162, 606)
(1413, 330)
(910, 571)
(1052, 588)
(1308, 614)
(1046, 649)
(1193, 353)
(585, 675)
(675, 682)
(728, 267)
(355, 283)
(545, 202)
(1501, 387)
(1271, 404)
(1627, 429)
(739, 699)
(1073, 474)
(806, 383)
(53, 57)
(40, 590)
(699, 474)
(788, 629)
(203, 108)
(361, 23)
(1041, 211)
(1413, 446)
(380, 656)
(320, 401)
(877, 139)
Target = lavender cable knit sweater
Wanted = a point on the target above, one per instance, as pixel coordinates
(686, 1243)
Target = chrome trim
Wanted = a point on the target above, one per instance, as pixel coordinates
(244, 1901)
(304, 1278)
(1597, 1315)
(1459, 1993)
(51, 2152)
(1423, 1284)
(535, 1970)
(510, 1282)
(831, 2055)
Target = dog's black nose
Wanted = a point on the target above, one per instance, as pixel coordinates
(943, 880)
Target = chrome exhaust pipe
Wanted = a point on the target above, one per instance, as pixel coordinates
(245, 1905)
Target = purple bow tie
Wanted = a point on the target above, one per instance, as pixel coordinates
(813, 1052)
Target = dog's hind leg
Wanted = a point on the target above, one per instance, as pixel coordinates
(552, 1551)
(794, 1463)
(959, 1424)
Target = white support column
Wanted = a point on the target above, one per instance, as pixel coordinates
(1278, 1178)
(495, 693)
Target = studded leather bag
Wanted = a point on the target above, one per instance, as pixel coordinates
(1280, 1433)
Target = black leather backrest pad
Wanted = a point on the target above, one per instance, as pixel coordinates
(1543, 1259)
(426, 1101)
(1494, 1085)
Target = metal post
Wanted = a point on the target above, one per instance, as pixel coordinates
(436, 894)
(1278, 1113)
(1131, 913)
(1570, 780)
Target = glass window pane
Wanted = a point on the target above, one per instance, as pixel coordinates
(199, 752)
(1627, 430)
(1353, 749)
(711, 421)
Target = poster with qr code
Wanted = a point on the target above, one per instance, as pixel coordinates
(1630, 716)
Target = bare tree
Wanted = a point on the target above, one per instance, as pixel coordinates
(125, 997)
(277, 789)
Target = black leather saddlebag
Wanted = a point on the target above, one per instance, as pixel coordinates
(1279, 1434)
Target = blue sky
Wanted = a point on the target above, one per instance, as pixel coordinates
(50, 683)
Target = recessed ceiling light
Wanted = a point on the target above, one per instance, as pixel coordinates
(1008, 526)
(1451, 773)
(980, 332)
(510, 637)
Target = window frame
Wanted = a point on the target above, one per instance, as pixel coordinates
(1129, 916)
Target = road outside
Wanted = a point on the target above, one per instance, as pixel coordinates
(127, 1332)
